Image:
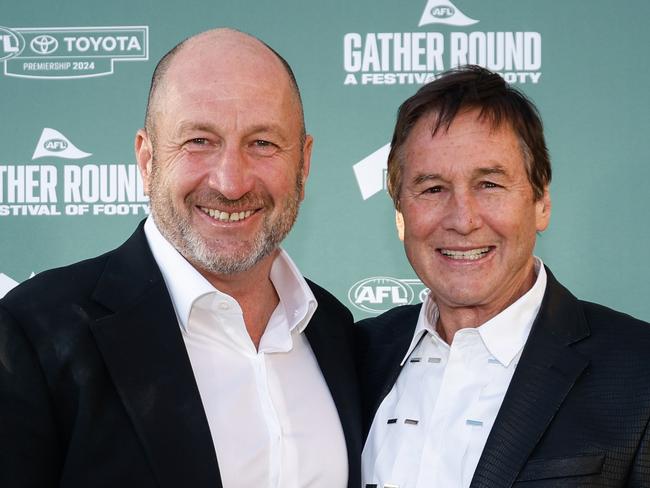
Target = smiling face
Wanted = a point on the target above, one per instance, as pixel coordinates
(470, 218)
(226, 166)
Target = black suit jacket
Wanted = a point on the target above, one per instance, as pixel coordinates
(577, 409)
(97, 390)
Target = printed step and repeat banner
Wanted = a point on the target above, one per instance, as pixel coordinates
(74, 82)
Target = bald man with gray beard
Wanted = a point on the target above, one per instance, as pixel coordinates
(195, 354)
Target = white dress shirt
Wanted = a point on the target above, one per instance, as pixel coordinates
(430, 430)
(272, 418)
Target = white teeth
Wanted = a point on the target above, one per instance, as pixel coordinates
(472, 254)
(225, 216)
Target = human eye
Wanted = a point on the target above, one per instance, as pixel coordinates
(264, 147)
(263, 143)
(432, 189)
(429, 192)
(198, 141)
(197, 144)
(489, 185)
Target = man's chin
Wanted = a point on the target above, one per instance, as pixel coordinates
(461, 297)
(226, 263)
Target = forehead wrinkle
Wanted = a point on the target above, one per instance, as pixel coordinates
(203, 119)
(498, 169)
(244, 107)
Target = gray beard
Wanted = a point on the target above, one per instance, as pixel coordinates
(178, 230)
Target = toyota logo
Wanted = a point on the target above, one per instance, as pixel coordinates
(44, 44)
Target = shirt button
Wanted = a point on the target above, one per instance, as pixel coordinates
(224, 306)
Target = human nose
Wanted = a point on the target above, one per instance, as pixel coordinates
(230, 174)
(463, 213)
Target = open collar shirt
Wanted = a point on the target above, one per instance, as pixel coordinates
(271, 416)
(431, 428)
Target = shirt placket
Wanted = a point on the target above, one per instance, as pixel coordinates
(271, 418)
(449, 433)
(407, 436)
(473, 422)
(235, 328)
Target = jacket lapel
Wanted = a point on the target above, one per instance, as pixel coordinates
(339, 374)
(143, 349)
(546, 372)
(381, 362)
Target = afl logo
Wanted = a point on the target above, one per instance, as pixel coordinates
(442, 11)
(11, 43)
(56, 145)
(379, 294)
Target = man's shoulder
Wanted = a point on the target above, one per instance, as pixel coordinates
(55, 306)
(620, 330)
(396, 321)
(601, 314)
(56, 286)
(64, 286)
(571, 318)
(613, 341)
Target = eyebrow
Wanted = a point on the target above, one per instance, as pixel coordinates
(265, 127)
(187, 126)
(490, 170)
(478, 172)
(423, 178)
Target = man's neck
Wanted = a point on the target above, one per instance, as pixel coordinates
(451, 318)
(254, 292)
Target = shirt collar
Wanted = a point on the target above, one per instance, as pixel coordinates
(505, 334)
(426, 324)
(295, 295)
(186, 285)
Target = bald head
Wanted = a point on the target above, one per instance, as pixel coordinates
(234, 50)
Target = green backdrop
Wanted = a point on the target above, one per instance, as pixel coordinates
(81, 69)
